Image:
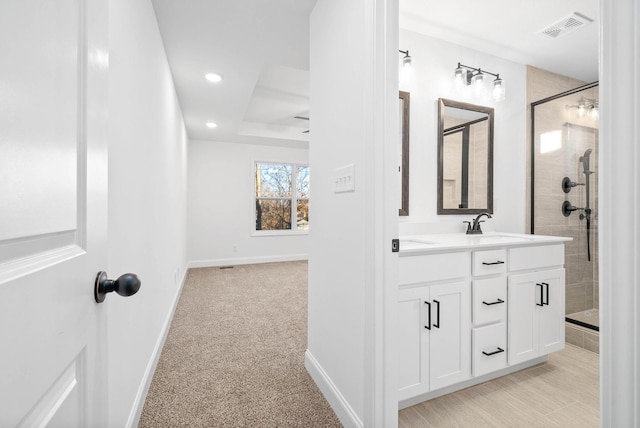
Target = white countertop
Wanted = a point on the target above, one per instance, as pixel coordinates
(418, 244)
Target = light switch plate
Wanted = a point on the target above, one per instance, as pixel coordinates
(345, 179)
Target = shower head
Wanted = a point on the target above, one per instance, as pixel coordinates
(585, 161)
(586, 155)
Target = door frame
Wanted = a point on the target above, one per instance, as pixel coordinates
(619, 200)
(381, 372)
(619, 181)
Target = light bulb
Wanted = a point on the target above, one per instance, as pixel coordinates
(407, 61)
(212, 125)
(460, 78)
(581, 110)
(478, 83)
(499, 90)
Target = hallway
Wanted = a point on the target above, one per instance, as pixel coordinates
(234, 355)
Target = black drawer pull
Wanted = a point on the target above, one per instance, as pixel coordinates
(499, 262)
(497, 302)
(428, 327)
(547, 287)
(437, 323)
(493, 353)
(541, 295)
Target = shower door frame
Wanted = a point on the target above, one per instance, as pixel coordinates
(533, 145)
(533, 163)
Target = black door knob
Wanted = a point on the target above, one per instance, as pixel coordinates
(126, 285)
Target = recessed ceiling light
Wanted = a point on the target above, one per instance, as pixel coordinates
(213, 77)
(212, 125)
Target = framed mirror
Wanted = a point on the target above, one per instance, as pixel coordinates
(465, 158)
(403, 147)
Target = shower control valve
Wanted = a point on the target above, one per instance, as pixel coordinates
(567, 184)
(567, 208)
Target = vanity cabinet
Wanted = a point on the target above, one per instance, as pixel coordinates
(536, 314)
(536, 303)
(489, 334)
(434, 340)
(471, 315)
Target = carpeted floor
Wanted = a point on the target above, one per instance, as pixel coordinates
(234, 356)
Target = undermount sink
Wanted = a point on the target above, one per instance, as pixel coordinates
(461, 238)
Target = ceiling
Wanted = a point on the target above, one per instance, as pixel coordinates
(510, 29)
(261, 48)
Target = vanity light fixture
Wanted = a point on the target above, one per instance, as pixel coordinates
(407, 61)
(586, 107)
(465, 75)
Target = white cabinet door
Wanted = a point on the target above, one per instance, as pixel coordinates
(450, 338)
(413, 342)
(523, 323)
(434, 339)
(53, 212)
(536, 314)
(552, 314)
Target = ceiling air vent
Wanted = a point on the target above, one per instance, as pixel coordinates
(566, 25)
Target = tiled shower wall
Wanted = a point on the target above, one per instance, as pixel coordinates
(452, 174)
(578, 134)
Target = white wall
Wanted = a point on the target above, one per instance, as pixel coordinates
(432, 78)
(221, 205)
(354, 117)
(147, 202)
(336, 247)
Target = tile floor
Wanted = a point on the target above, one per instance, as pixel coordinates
(564, 392)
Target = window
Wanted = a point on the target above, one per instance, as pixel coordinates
(281, 194)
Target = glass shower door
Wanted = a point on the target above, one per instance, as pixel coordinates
(564, 191)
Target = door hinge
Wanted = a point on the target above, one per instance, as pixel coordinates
(395, 245)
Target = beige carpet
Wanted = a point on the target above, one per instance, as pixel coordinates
(234, 356)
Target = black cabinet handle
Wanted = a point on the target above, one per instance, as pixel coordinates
(547, 287)
(497, 302)
(499, 262)
(541, 296)
(437, 323)
(493, 353)
(428, 327)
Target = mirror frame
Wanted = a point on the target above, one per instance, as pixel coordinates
(489, 111)
(404, 123)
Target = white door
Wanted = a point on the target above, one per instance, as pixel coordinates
(552, 313)
(413, 342)
(53, 206)
(523, 330)
(450, 342)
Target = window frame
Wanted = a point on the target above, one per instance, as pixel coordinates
(294, 198)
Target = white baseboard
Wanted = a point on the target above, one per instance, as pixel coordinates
(338, 403)
(403, 404)
(143, 390)
(246, 260)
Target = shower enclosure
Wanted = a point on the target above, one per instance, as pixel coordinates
(564, 192)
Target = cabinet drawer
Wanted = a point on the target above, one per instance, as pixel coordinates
(521, 258)
(433, 267)
(489, 262)
(489, 347)
(489, 300)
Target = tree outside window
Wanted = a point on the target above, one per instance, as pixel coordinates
(281, 194)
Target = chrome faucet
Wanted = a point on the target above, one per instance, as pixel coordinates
(474, 229)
